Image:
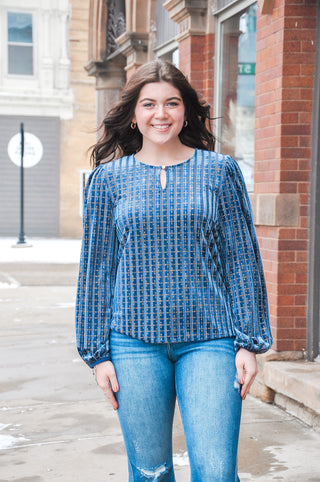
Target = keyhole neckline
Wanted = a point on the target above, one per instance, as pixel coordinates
(165, 166)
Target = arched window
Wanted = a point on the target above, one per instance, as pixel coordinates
(116, 23)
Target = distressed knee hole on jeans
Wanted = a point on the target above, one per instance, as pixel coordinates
(154, 474)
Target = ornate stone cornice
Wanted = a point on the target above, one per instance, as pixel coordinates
(134, 46)
(190, 15)
(93, 67)
(109, 73)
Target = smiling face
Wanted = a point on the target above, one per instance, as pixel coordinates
(159, 114)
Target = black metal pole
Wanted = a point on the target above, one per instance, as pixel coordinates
(21, 239)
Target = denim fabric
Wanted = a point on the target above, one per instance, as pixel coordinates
(170, 265)
(202, 376)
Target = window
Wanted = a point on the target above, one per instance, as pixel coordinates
(236, 88)
(166, 47)
(35, 67)
(20, 43)
(170, 55)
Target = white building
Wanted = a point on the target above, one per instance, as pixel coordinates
(39, 86)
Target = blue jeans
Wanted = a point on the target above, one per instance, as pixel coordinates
(202, 375)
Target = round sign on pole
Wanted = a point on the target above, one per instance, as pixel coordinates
(33, 150)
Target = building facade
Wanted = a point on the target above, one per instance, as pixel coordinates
(255, 63)
(43, 84)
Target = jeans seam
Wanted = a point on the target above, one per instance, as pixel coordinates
(169, 352)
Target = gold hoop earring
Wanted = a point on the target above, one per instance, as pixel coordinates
(185, 123)
(133, 125)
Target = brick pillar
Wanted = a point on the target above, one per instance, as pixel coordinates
(284, 81)
(196, 60)
(196, 42)
(208, 70)
(191, 60)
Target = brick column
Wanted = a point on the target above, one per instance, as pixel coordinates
(191, 60)
(196, 43)
(208, 70)
(284, 81)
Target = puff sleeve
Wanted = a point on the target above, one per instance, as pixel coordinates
(97, 271)
(243, 270)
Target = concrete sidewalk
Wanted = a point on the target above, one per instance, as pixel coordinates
(55, 423)
(40, 250)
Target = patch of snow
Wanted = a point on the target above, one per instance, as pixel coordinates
(245, 477)
(9, 283)
(5, 286)
(58, 250)
(7, 441)
(181, 459)
(65, 305)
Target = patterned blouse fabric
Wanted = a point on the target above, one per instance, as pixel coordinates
(173, 264)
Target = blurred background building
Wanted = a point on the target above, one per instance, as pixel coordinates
(257, 65)
(63, 64)
(43, 83)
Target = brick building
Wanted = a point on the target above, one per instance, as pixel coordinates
(257, 64)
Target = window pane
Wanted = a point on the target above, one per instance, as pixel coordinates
(20, 27)
(167, 29)
(237, 87)
(20, 60)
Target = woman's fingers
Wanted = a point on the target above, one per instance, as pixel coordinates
(247, 369)
(248, 380)
(246, 387)
(107, 380)
(110, 396)
(114, 382)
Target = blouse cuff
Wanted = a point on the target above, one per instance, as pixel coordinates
(106, 357)
(255, 344)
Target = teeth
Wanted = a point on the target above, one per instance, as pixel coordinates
(161, 128)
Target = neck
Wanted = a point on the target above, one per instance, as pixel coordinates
(162, 154)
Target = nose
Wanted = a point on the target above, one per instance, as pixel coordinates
(161, 111)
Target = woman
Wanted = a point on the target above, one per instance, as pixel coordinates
(171, 296)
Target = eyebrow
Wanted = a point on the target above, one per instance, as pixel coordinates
(153, 100)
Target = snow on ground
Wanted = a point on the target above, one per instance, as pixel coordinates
(39, 250)
(7, 441)
(181, 459)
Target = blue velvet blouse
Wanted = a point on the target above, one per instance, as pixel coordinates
(173, 264)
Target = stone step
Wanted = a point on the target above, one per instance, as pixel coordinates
(297, 388)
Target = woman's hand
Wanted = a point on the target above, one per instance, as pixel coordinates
(107, 380)
(246, 365)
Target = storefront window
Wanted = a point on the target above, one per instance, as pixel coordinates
(237, 89)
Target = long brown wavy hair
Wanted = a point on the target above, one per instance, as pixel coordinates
(118, 139)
